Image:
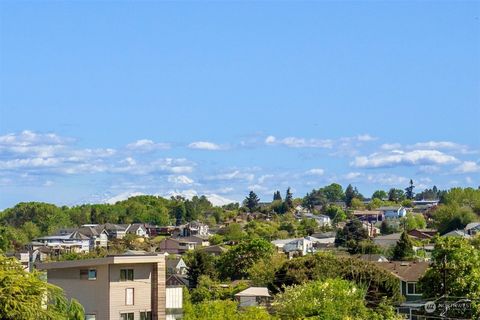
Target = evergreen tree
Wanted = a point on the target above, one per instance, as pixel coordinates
(404, 248)
(409, 191)
(352, 236)
(396, 195)
(251, 201)
(199, 263)
(349, 195)
(277, 196)
(288, 200)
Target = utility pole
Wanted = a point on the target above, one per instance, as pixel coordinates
(445, 275)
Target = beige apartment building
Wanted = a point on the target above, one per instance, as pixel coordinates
(122, 287)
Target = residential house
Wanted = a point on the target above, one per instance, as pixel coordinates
(125, 287)
(176, 266)
(371, 229)
(214, 250)
(174, 301)
(388, 240)
(297, 246)
(253, 296)
(194, 228)
(372, 216)
(393, 212)
(372, 257)
(321, 219)
(137, 229)
(199, 241)
(23, 258)
(96, 233)
(422, 234)
(116, 231)
(473, 228)
(458, 234)
(176, 246)
(408, 274)
(72, 242)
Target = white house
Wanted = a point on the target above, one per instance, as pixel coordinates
(73, 242)
(253, 296)
(321, 219)
(393, 212)
(137, 229)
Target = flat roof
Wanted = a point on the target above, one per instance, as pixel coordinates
(116, 259)
(254, 292)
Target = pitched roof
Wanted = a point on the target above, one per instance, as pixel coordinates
(389, 208)
(367, 212)
(177, 280)
(173, 263)
(472, 225)
(405, 270)
(254, 292)
(215, 249)
(457, 233)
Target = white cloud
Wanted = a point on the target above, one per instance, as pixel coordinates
(404, 158)
(387, 179)
(437, 145)
(182, 179)
(204, 145)
(315, 172)
(468, 167)
(391, 146)
(293, 142)
(352, 175)
(233, 175)
(215, 199)
(48, 183)
(29, 163)
(146, 145)
(257, 188)
(265, 177)
(270, 140)
(365, 138)
(218, 200)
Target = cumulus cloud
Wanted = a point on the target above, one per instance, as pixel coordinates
(233, 175)
(31, 143)
(146, 145)
(468, 167)
(352, 175)
(204, 145)
(315, 172)
(403, 158)
(215, 199)
(182, 179)
(391, 146)
(293, 142)
(365, 138)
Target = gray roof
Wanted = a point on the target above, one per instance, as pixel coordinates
(254, 292)
(457, 233)
(472, 225)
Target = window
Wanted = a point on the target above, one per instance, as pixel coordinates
(412, 288)
(127, 316)
(88, 274)
(90, 317)
(146, 315)
(129, 297)
(126, 274)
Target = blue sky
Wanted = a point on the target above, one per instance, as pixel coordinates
(101, 100)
